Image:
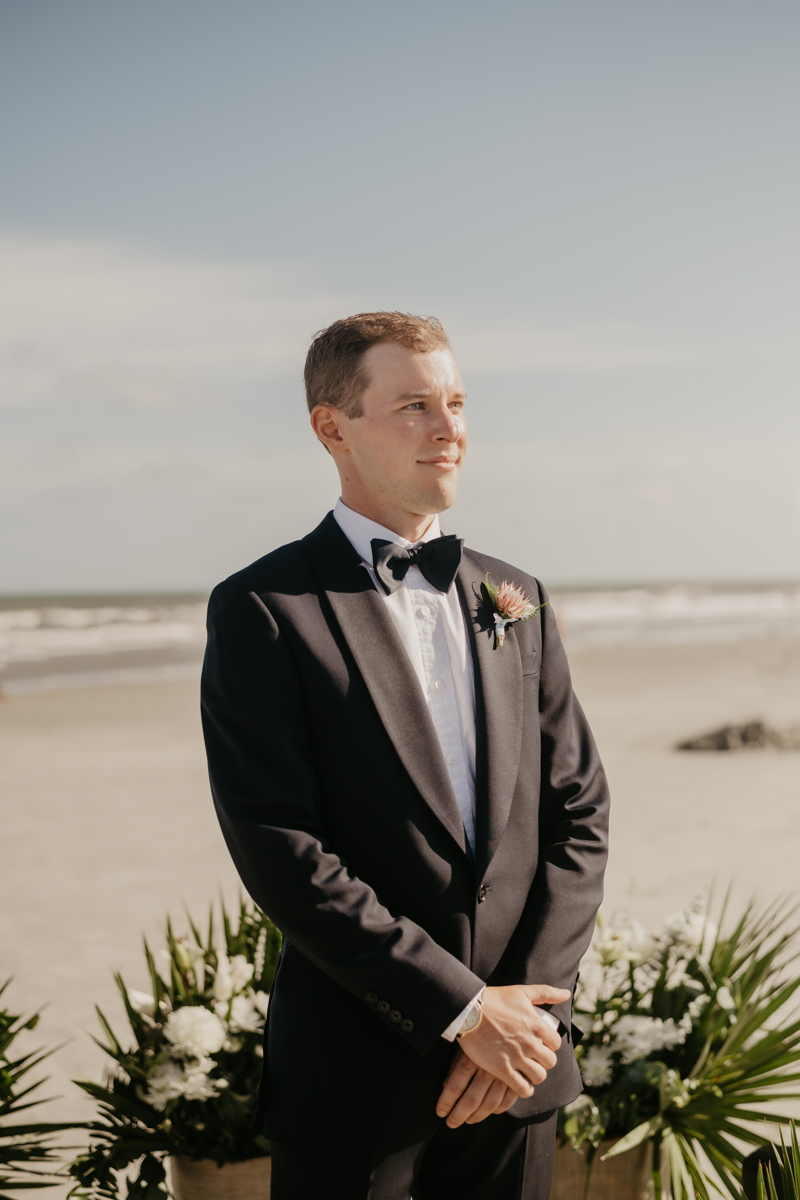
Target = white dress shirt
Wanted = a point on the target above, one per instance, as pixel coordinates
(434, 635)
(431, 627)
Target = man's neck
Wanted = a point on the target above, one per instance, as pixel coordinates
(410, 526)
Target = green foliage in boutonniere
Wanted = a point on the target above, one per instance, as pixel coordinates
(509, 604)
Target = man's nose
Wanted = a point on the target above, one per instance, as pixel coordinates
(450, 427)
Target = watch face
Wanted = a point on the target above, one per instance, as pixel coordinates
(470, 1021)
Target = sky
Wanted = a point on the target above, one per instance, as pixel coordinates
(599, 201)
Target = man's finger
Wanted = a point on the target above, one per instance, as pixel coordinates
(461, 1072)
(471, 1100)
(491, 1102)
(548, 1037)
(542, 993)
(507, 1101)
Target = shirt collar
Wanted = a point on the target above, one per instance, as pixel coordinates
(360, 531)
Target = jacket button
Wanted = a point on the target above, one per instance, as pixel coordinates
(407, 1026)
(372, 998)
(482, 890)
(383, 1006)
(395, 1016)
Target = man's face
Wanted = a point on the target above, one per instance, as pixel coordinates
(407, 448)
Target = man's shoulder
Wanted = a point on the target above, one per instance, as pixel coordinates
(283, 570)
(500, 571)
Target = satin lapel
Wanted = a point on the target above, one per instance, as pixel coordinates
(386, 669)
(498, 702)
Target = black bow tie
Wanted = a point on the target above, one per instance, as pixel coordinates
(438, 560)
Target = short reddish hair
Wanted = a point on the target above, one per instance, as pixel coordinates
(334, 373)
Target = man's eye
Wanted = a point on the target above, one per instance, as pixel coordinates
(417, 404)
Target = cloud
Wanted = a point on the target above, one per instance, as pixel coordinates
(594, 348)
(99, 319)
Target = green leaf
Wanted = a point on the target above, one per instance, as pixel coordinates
(640, 1134)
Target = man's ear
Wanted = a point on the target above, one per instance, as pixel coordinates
(329, 424)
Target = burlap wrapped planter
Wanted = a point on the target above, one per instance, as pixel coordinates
(624, 1178)
(204, 1180)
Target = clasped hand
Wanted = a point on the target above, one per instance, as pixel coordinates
(504, 1057)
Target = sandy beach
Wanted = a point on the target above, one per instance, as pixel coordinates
(108, 823)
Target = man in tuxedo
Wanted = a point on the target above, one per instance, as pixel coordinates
(417, 803)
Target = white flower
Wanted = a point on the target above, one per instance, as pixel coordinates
(222, 989)
(170, 1080)
(641, 946)
(142, 1002)
(261, 1001)
(245, 1017)
(637, 1037)
(187, 953)
(260, 955)
(241, 972)
(691, 930)
(697, 1005)
(194, 1032)
(232, 976)
(725, 999)
(628, 943)
(596, 1066)
(610, 945)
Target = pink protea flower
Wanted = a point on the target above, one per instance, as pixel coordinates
(511, 602)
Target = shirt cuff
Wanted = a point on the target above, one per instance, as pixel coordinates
(450, 1034)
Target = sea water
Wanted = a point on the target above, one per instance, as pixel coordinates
(82, 641)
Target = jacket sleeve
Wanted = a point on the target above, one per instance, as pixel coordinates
(266, 794)
(559, 917)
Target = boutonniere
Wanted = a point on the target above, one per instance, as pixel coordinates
(509, 605)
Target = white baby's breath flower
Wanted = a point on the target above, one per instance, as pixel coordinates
(259, 958)
(171, 1080)
(194, 1032)
(596, 1066)
(142, 1002)
(261, 1001)
(697, 1005)
(636, 1037)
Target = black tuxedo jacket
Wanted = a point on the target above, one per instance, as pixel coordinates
(337, 807)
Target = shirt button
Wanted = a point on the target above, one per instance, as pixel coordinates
(451, 758)
(426, 612)
(438, 684)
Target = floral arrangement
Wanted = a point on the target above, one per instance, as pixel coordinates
(187, 1085)
(509, 605)
(683, 1038)
(25, 1147)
